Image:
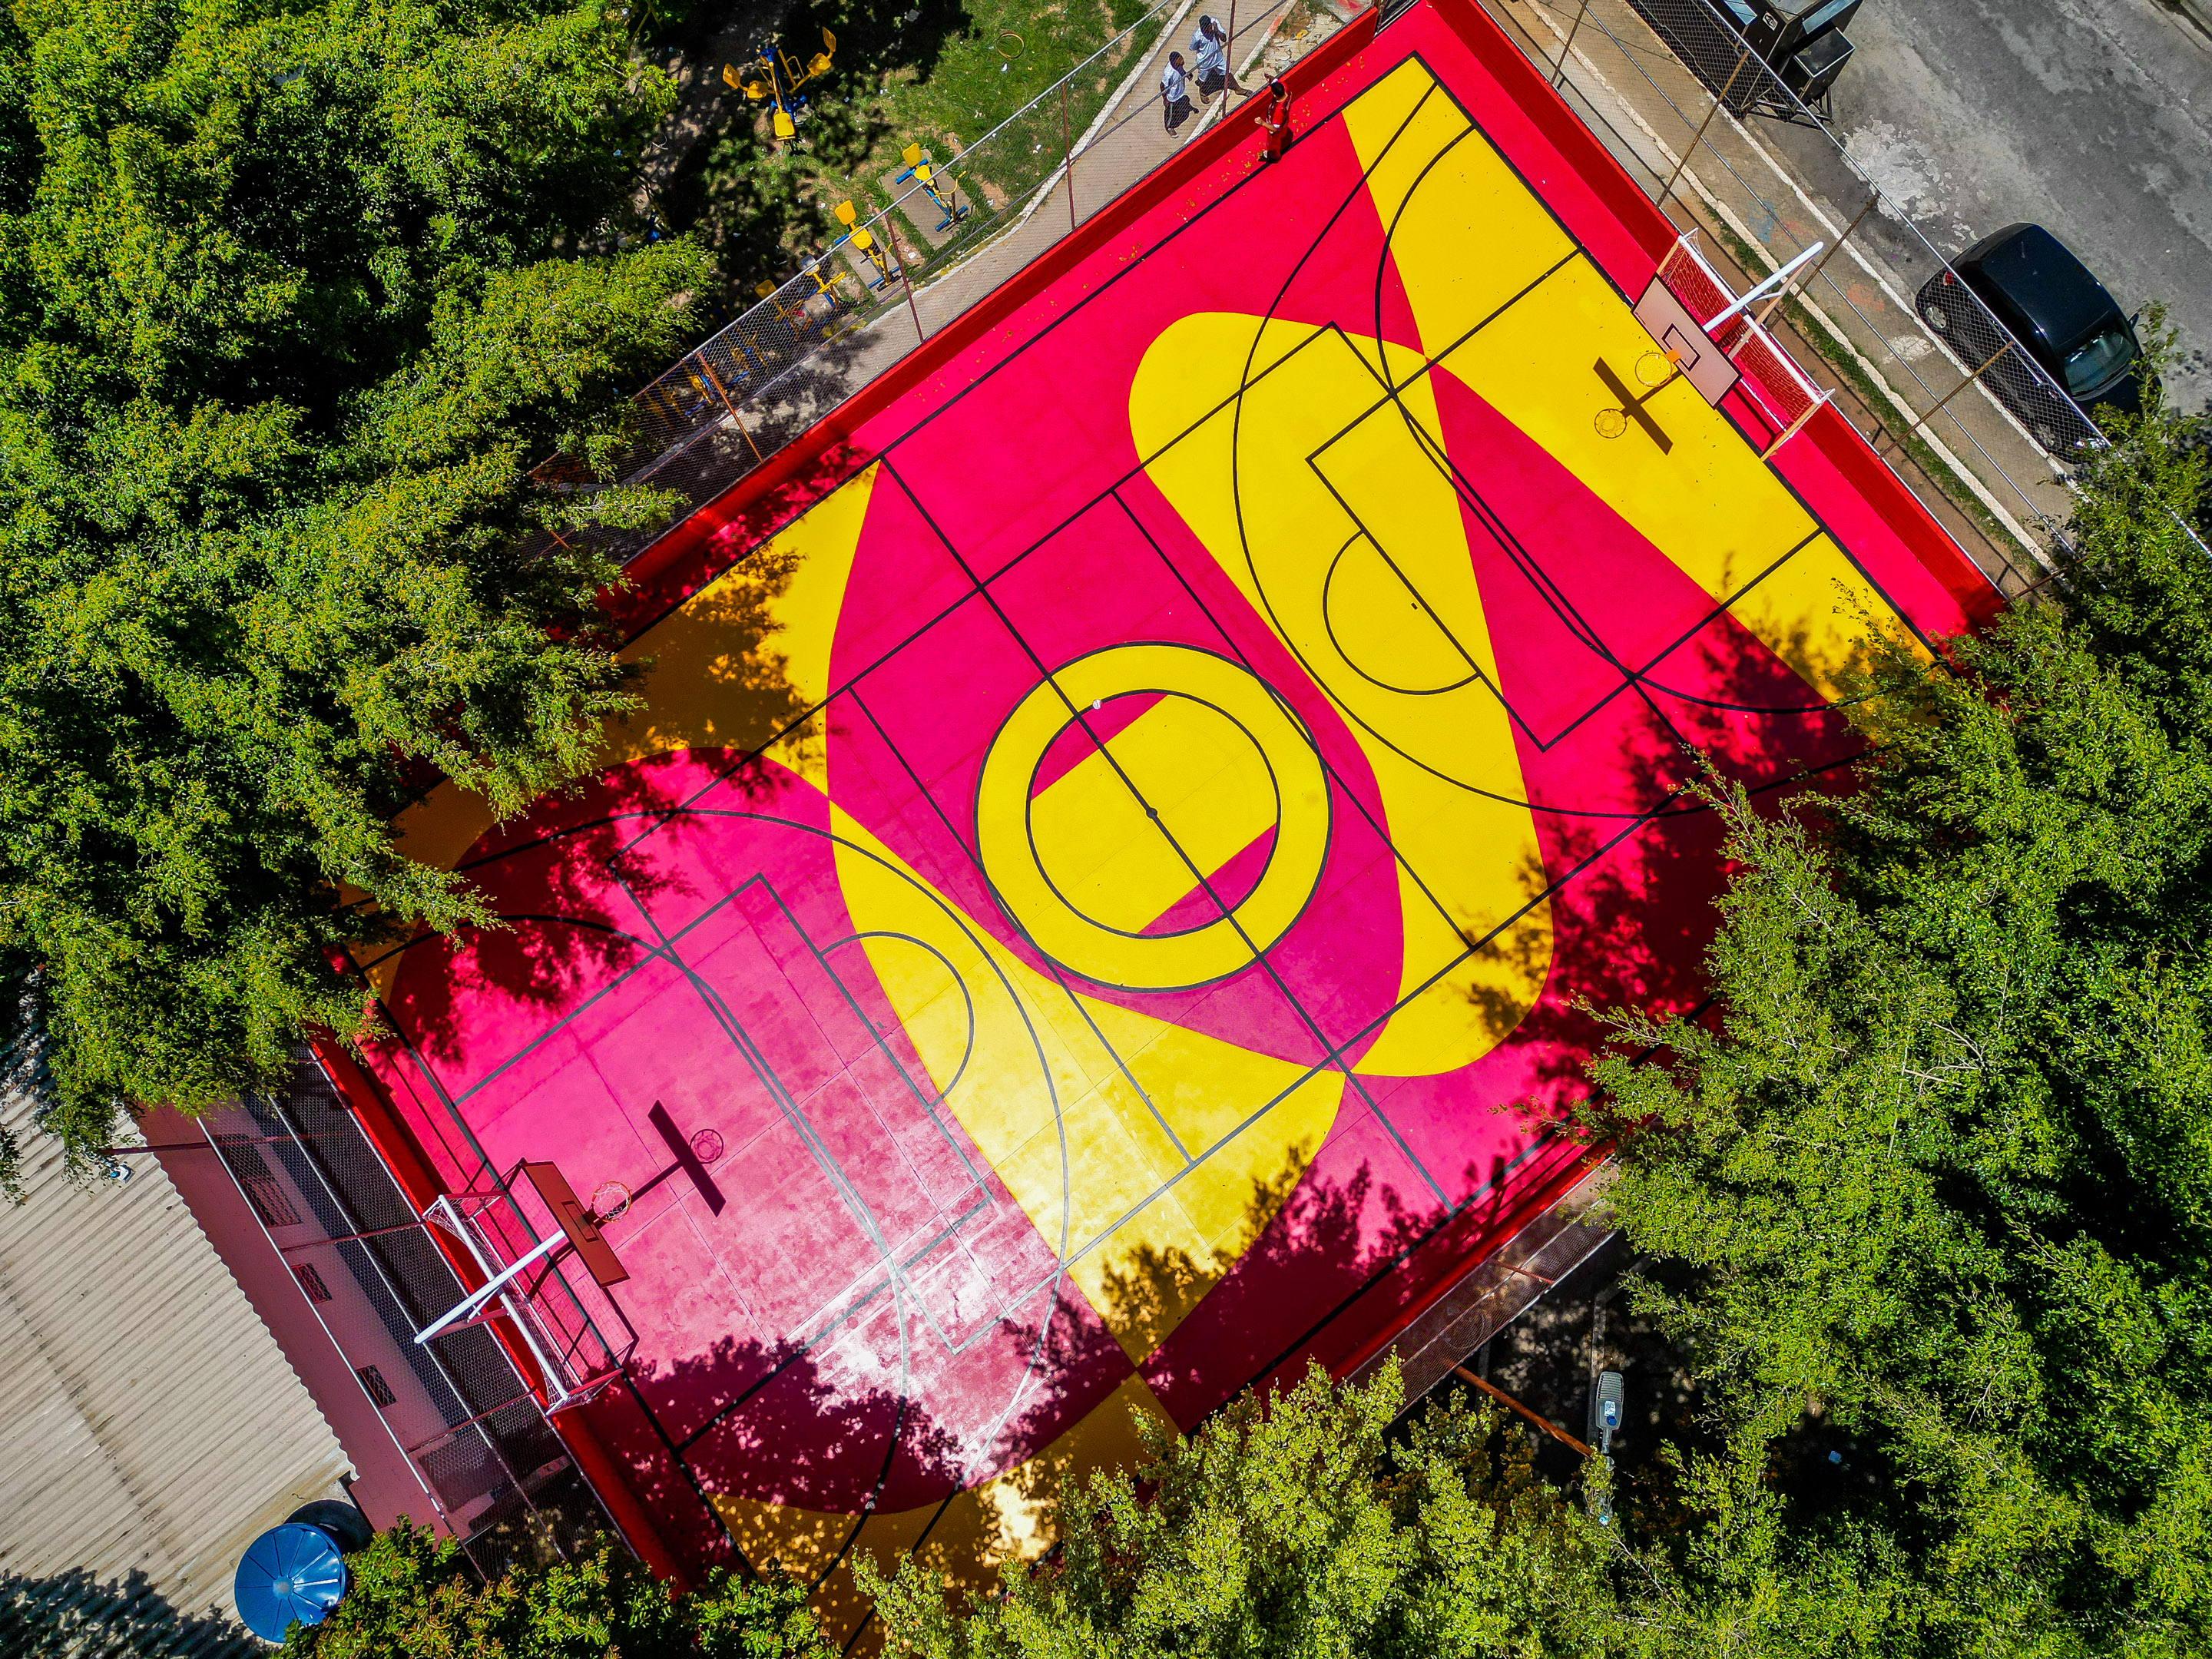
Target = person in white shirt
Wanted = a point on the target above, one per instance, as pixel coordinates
(1209, 45)
(1175, 92)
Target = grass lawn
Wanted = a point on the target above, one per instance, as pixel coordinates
(942, 74)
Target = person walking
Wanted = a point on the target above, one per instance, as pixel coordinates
(1209, 46)
(1175, 92)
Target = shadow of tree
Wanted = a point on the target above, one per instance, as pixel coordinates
(1632, 923)
(765, 1449)
(557, 877)
(72, 1615)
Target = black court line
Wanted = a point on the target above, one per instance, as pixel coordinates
(1058, 973)
(1200, 878)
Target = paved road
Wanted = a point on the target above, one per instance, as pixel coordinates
(2092, 117)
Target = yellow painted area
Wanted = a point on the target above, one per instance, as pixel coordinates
(1444, 761)
(1812, 613)
(1220, 800)
(1100, 1128)
(1465, 234)
(1183, 759)
(1013, 1516)
(1710, 504)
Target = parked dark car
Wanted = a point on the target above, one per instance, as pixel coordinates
(2061, 315)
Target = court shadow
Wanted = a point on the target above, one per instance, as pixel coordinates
(791, 1464)
(1632, 924)
(567, 890)
(1307, 1246)
(73, 1615)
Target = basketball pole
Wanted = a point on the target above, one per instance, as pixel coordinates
(474, 1303)
(1776, 284)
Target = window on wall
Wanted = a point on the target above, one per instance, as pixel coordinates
(378, 1390)
(312, 1282)
(257, 1182)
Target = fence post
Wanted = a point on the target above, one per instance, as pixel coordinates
(1559, 70)
(1068, 150)
(1796, 426)
(1961, 387)
(1873, 202)
(907, 279)
(715, 380)
(1682, 165)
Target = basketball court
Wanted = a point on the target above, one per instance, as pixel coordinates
(1096, 908)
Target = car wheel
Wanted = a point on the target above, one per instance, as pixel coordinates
(2046, 435)
(1938, 316)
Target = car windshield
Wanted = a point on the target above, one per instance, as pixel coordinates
(2091, 364)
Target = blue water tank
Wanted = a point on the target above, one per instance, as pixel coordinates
(290, 1573)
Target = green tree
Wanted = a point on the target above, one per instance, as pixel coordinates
(1295, 1529)
(1940, 1167)
(415, 1596)
(292, 296)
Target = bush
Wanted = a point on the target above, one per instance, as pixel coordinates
(415, 1596)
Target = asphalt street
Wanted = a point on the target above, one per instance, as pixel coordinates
(2091, 116)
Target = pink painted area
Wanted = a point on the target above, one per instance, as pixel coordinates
(850, 1312)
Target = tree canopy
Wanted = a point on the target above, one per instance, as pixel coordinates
(1941, 1166)
(292, 297)
(1290, 1531)
(414, 1595)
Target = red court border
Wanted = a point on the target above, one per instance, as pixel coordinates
(1624, 234)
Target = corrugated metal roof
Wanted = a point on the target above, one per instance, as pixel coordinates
(149, 1425)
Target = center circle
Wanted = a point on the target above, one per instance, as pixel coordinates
(1111, 855)
(1153, 816)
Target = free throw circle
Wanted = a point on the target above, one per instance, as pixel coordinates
(1166, 821)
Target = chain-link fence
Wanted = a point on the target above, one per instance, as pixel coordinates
(949, 229)
(457, 1407)
(1929, 373)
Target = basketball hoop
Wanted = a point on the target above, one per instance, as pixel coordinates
(1610, 422)
(579, 1229)
(609, 1199)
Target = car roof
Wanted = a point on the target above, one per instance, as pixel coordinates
(2051, 289)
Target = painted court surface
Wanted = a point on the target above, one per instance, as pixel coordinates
(1093, 912)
